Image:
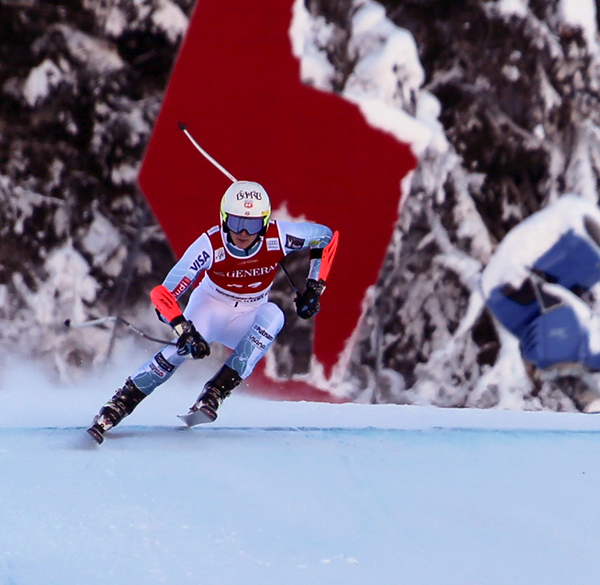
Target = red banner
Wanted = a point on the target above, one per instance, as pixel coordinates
(236, 85)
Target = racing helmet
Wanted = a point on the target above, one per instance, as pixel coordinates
(245, 206)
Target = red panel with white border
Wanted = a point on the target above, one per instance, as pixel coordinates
(236, 85)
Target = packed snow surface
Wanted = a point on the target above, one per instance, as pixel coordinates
(295, 493)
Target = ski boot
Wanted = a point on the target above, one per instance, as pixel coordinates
(215, 391)
(116, 409)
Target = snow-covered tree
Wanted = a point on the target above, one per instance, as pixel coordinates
(498, 98)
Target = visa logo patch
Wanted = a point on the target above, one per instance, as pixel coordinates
(200, 261)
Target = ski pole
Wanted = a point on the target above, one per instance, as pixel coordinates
(205, 154)
(120, 320)
(290, 279)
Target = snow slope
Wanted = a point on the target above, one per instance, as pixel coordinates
(295, 493)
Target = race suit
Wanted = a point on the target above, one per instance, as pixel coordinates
(230, 305)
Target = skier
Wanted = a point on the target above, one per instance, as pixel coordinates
(537, 284)
(238, 260)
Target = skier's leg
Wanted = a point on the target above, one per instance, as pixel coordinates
(157, 370)
(268, 322)
(116, 409)
(142, 383)
(208, 315)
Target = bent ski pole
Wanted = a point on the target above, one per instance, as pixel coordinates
(289, 278)
(205, 154)
(120, 320)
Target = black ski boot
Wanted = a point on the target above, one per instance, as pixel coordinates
(215, 391)
(116, 409)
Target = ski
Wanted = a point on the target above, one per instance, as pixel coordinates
(204, 414)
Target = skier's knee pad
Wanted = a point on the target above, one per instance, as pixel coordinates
(270, 317)
(253, 346)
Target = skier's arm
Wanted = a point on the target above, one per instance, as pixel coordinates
(190, 341)
(305, 235)
(318, 239)
(195, 260)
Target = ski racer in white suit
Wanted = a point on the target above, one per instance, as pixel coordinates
(235, 264)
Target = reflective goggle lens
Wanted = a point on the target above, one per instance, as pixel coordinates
(252, 225)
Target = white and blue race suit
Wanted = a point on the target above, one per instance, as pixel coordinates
(230, 305)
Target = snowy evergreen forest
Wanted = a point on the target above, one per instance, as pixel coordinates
(498, 98)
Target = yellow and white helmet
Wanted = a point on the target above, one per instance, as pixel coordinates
(245, 206)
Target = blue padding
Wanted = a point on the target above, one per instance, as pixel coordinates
(573, 261)
(514, 316)
(555, 337)
(592, 362)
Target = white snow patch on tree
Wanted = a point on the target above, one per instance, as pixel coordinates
(96, 53)
(66, 290)
(41, 81)
(310, 37)
(388, 66)
(170, 19)
(125, 174)
(580, 14)
(386, 83)
(510, 7)
(103, 242)
(116, 22)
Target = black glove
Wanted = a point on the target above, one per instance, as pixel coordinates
(307, 303)
(190, 341)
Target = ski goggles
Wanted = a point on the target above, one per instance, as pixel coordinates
(252, 225)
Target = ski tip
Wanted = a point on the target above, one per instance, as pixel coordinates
(197, 417)
(182, 126)
(184, 419)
